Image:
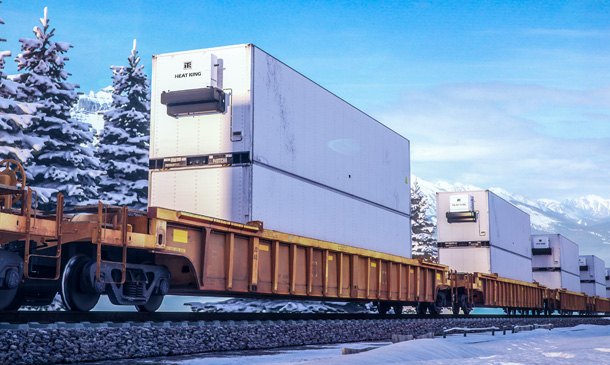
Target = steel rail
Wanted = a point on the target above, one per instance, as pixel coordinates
(22, 317)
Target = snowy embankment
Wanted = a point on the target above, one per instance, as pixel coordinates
(96, 344)
(583, 344)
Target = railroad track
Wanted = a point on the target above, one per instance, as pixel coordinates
(22, 317)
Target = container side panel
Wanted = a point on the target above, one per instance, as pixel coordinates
(301, 128)
(595, 270)
(550, 279)
(510, 265)
(215, 192)
(593, 289)
(463, 231)
(569, 256)
(203, 133)
(509, 227)
(285, 203)
(608, 284)
(600, 271)
(570, 281)
(466, 259)
(558, 280)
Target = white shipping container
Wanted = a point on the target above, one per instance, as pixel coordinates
(593, 289)
(490, 222)
(608, 283)
(281, 149)
(555, 262)
(558, 280)
(486, 259)
(592, 275)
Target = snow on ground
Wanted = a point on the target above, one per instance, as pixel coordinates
(583, 344)
(248, 305)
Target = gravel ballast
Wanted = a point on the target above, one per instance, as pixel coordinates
(66, 345)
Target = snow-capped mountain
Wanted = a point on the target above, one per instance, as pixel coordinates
(91, 107)
(584, 220)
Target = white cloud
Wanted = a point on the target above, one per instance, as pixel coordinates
(536, 141)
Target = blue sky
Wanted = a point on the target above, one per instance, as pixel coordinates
(490, 93)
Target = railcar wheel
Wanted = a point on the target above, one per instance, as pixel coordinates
(154, 302)
(397, 309)
(73, 293)
(383, 308)
(434, 310)
(422, 308)
(455, 308)
(549, 309)
(466, 307)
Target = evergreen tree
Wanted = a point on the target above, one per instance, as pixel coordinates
(123, 146)
(14, 117)
(65, 161)
(422, 228)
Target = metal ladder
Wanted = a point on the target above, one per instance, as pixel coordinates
(100, 231)
(59, 217)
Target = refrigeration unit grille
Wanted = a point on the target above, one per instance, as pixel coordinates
(546, 269)
(461, 217)
(194, 101)
(542, 251)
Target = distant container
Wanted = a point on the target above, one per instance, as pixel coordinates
(608, 283)
(478, 231)
(592, 275)
(555, 262)
(238, 135)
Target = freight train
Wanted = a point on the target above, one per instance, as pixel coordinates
(262, 184)
(137, 259)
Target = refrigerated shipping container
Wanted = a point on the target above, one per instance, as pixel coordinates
(592, 275)
(608, 283)
(238, 135)
(487, 260)
(555, 262)
(480, 232)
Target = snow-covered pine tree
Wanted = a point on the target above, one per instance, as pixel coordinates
(422, 228)
(65, 162)
(14, 117)
(123, 146)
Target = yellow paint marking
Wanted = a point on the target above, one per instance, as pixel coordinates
(263, 248)
(330, 258)
(373, 264)
(181, 236)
